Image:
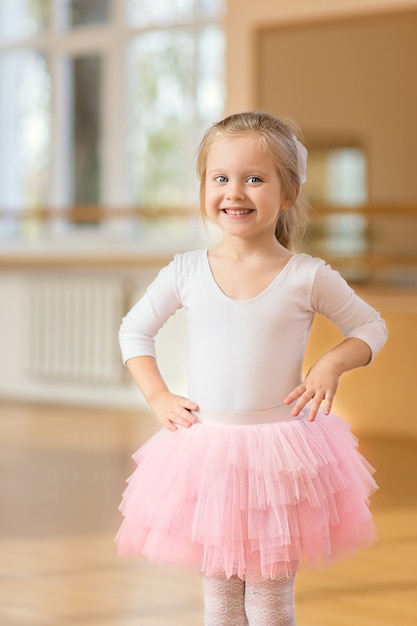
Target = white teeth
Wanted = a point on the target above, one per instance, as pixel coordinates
(238, 211)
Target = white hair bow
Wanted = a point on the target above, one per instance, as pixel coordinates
(301, 159)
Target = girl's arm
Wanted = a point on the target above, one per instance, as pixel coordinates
(322, 379)
(365, 334)
(137, 341)
(170, 410)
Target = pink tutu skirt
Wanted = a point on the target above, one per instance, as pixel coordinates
(248, 499)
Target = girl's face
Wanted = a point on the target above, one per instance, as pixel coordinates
(243, 192)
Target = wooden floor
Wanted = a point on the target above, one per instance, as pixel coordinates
(62, 471)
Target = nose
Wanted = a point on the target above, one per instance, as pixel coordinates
(235, 190)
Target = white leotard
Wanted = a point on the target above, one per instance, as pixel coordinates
(246, 355)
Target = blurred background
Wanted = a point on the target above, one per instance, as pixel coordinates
(102, 106)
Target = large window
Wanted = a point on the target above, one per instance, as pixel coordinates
(103, 102)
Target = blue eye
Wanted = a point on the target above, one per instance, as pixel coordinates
(254, 179)
(221, 179)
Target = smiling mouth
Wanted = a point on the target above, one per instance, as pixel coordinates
(237, 211)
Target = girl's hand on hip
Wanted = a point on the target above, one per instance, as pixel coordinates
(321, 382)
(172, 410)
(319, 385)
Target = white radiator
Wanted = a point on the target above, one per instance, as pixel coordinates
(72, 326)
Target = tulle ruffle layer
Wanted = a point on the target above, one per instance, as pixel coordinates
(248, 499)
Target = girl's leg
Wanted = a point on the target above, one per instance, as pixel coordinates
(224, 600)
(270, 602)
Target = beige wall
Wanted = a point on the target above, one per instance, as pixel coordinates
(245, 17)
(350, 81)
(345, 73)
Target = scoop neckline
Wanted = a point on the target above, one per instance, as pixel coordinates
(262, 293)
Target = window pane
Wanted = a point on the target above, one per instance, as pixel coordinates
(161, 118)
(25, 119)
(20, 19)
(85, 12)
(175, 90)
(347, 176)
(144, 12)
(337, 175)
(211, 7)
(85, 73)
(210, 91)
(343, 235)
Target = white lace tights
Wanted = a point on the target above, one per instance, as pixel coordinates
(254, 602)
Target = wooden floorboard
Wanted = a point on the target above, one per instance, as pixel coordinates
(62, 471)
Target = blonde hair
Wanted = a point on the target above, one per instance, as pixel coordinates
(274, 136)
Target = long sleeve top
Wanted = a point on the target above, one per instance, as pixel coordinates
(246, 355)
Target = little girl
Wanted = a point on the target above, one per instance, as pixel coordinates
(252, 475)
